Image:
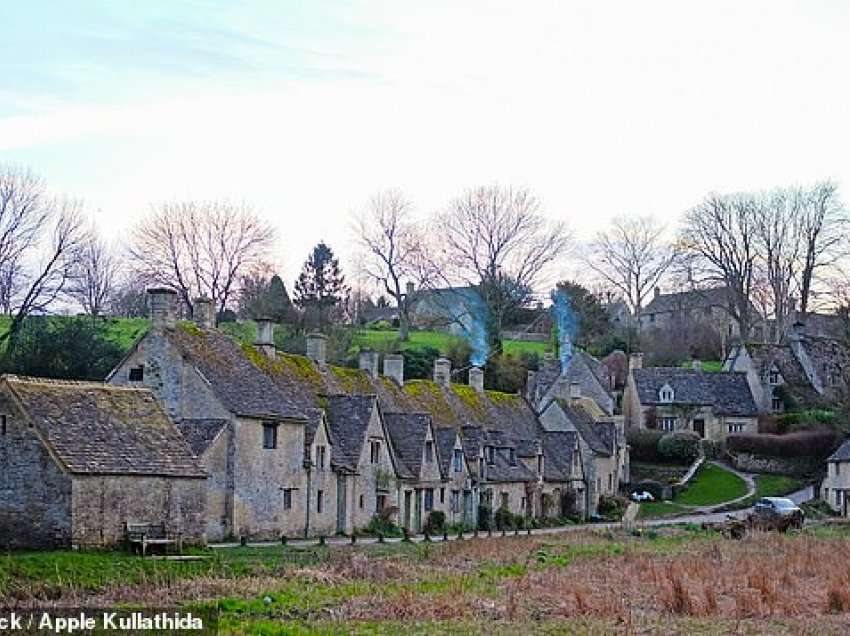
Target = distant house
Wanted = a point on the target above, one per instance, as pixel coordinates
(712, 405)
(835, 489)
(805, 370)
(79, 460)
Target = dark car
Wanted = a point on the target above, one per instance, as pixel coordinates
(777, 513)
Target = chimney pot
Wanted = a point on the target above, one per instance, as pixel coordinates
(410, 289)
(696, 364)
(636, 361)
(394, 367)
(657, 291)
(203, 312)
(368, 362)
(476, 379)
(317, 347)
(443, 371)
(265, 336)
(163, 307)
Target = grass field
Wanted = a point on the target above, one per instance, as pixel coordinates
(669, 580)
(438, 340)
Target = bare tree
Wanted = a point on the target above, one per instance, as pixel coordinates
(632, 256)
(496, 239)
(719, 238)
(94, 275)
(34, 224)
(393, 250)
(200, 248)
(822, 226)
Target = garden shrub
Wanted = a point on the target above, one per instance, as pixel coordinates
(644, 445)
(484, 513)
(679, 446)
(505, 519)
(800, 444)
(381, 325)
(612, 507)
(379, 524)
(436, 522)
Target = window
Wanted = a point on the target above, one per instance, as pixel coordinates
(610, 482)
(380, 503)
(375, 451)
(429, 451)
(736, 427)
(666, 394)
(320, 499)
(320, 457)
(668, 424)
(773, 377)
(287, 498)
(524, 504)
(505, 500)
(540, 464)
(512, 456)
(491, 455)
(455, 502)
(269, 435)
(776, 404)
(362, 502)
(457, 460)
(837, 469)
(429, 499)
(481, 468)
(442, 495)
(137, 374)
(2, 424)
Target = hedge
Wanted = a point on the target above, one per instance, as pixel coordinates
(644, 445)
(680, 446)
(800, 444)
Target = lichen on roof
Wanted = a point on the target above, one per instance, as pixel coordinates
(352, 380)
(191, 328)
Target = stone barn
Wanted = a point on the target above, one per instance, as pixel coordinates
(78, 460)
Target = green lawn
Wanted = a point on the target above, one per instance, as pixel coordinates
(712, 485)
(657, 509)
(709, 366)
(439, 340)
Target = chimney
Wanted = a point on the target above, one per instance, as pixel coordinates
(394, 367)
(203, 312)
(265, 336)
(657, 291)
(410, 288)
(317, 347)
(575, 391)
(636, 361)
(443, 371)
(163, 307)
(368, 362)
(696, 365)
(548, 357)
(530, 386)
(476, 379)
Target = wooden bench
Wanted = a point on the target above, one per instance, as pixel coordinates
(151, 534)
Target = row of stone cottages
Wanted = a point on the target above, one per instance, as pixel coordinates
(218, 439)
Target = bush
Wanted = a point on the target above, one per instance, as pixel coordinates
(644, 445)
(484, 513)
(654, 488)
(505, 519)
(679, 446)
(612, 507)
(801, 444)
(435, 522)
(380, 524)
(381, 325)
(811, 419)
(713, 449)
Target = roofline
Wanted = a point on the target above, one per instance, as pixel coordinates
(81, 473)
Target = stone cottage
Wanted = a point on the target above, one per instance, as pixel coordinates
(712, 405)
(79, 460)
(457, 487)
(835, 489)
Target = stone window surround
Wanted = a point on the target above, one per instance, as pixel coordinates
(270, 435)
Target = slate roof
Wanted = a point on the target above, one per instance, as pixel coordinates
(100, 429)
(200, 433)
(766, 356)
(586, 427)
(558, 449)
(505, 472)
(348, 420)
(234, 373)
(679, 301)
(728, 392)
(407, 432)
(585, 370)
(445, 438)
(842, 454)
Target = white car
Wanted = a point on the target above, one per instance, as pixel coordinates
(642, 496)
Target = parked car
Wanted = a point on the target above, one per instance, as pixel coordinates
(642, 496)
(776, 513)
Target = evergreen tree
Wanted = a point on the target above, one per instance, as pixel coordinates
(277, 299)
(320, 286)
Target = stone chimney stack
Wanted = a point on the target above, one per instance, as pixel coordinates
(575, 391)
(265, 336)
(410, 289)
(530, 386)
(163, 307)
(443, 371)
(368, 362)
(394, 367)
(476, 378)
(635, 361)
(657, 291)
(696, 364)
(317, 347)
(203, 312)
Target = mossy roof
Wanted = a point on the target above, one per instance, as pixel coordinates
(101, 429)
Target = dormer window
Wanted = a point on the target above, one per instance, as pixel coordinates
(457, 460)
(512, 456)
(773, 377)
(666, 395)
(491, 455)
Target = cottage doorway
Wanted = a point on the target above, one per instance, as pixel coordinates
(407, 508)
(340, 504)
(699, 427)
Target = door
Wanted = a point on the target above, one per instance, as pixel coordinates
(417, 512)
(699, 427)
(407, 508)
(340, 503)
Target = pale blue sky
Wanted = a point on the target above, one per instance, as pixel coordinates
(305, 108)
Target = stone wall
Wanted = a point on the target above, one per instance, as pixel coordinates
(35, 494)
(101, 505)
(795, 466)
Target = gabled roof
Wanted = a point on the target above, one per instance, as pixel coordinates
(100, 429)
(348, 419)
(842, 454)
(586, 427)
(200, 433)
(502, 470)
(584, 370)
(234, 373)
(446, 439)
(407, 432)
(767, 356)
(696, 299)
(558, 450)
(728, 393)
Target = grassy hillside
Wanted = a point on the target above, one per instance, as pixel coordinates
(122, 331)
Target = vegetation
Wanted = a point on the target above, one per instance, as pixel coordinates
(437, 340)
(644, 444)
(801, 444)
(712, 485)
(770, 486)
(680, 446)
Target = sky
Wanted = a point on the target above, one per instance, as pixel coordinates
(304, 109)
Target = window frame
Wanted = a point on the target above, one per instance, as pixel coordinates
(320, 500)
(133, 371)
(270, 428)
